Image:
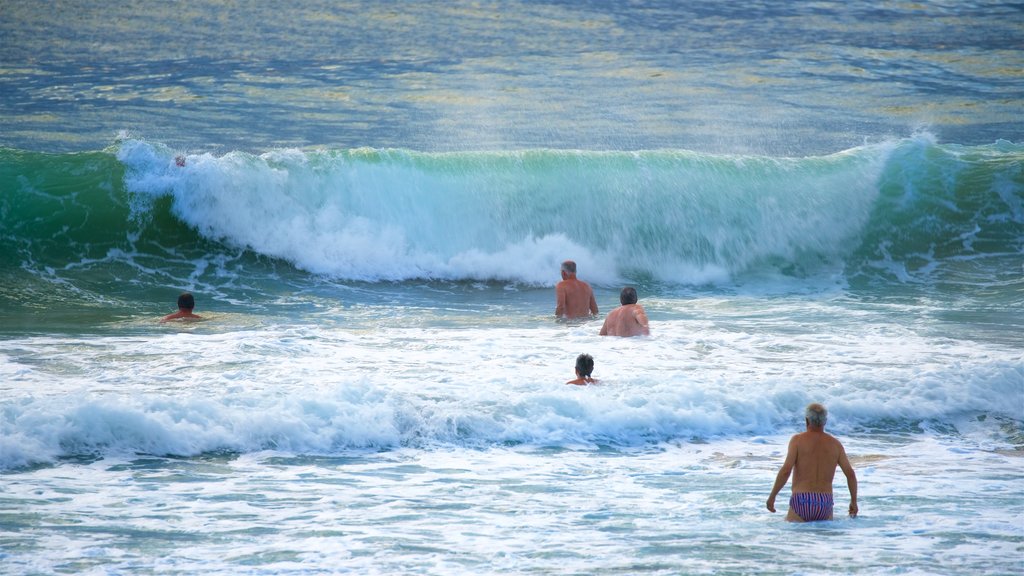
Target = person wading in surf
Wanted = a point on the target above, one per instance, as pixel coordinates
(630, 319)
(812, 458)
(573, 298)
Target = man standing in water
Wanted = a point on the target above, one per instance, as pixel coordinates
(813, 456)
(630, 319)
(573, 298)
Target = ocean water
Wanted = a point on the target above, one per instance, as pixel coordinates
(816, 202)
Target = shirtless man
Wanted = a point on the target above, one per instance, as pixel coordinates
(186, 302)
(813, 456)
(628, 319)
(573, 298)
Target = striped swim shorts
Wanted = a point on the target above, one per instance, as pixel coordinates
(811, 506)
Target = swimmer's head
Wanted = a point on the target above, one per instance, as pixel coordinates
(584, 365)
(186, 301)
(569, 267)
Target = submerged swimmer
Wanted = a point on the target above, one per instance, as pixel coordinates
(812, 458)
(186, 303)
(584, 368)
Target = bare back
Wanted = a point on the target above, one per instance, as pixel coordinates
(626, 320)
(817, 456)
(574, 299)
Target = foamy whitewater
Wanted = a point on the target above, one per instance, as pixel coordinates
(371, 206)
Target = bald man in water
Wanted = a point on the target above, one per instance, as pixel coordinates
(573, 298)
(812, 458)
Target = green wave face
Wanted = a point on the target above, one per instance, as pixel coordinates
(117, 226)
(947, 217)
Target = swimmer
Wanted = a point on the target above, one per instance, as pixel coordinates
(584, 368)
(186, 303)
(812, 458)
(630, 319)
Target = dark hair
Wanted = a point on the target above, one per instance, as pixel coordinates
(569, 266)
(585, 365)
(628, 295)
(186, 301)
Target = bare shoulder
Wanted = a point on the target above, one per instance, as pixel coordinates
(830, 445)
(796, 440)
(808, 439)
(182, 317)
(838, 444)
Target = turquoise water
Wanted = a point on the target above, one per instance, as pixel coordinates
(900, 219)
(817, 202)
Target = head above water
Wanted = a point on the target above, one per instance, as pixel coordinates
(816, 415)
(628, 295)
(569, 267)
(584, 365)
(186, 301)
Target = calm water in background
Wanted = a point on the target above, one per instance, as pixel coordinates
(767, 77)
(817, 202)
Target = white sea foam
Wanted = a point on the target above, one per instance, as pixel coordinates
(325, 390)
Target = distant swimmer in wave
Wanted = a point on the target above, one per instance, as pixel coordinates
(179, 161)
(630, 319)
(584, 368)
(812, 458)
(186, 303)
(573, 298)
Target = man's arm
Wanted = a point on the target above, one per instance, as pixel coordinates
(641, 318)
(559, 300)
(593, 304)
(783, 476)
(851, 480)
